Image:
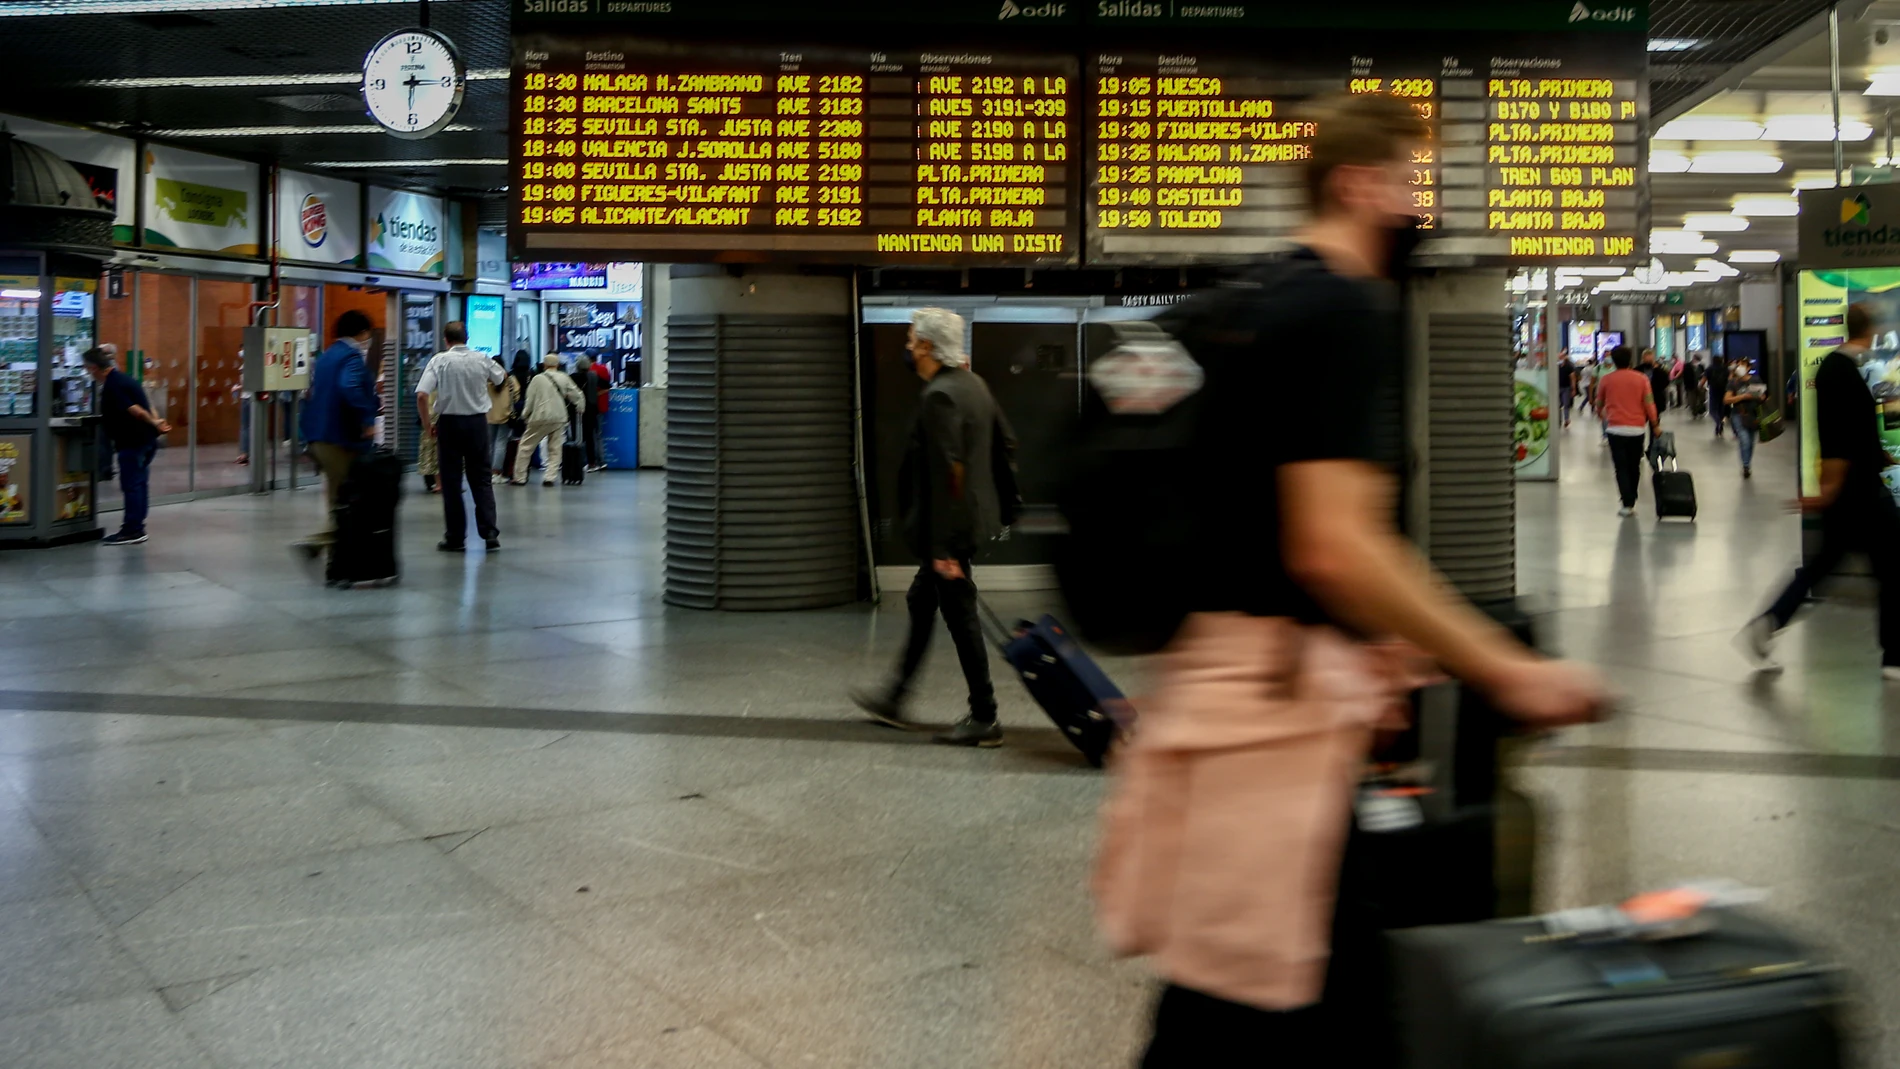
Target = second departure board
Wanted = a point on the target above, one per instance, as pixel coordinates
(634, 148)
(1532, 151)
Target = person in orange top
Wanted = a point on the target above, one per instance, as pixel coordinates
(1626, 401)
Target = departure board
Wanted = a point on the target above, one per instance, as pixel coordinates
(637, 148)
(1198, 156)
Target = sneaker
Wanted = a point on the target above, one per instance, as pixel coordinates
(882, 707)
(547, 482)
(970, 731)
(447, 546)
(1626, 511)
(493, 544)
(123, 538)
(1756, 641)
(517, 482)
(1746, 474)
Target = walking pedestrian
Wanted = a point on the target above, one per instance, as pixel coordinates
(1627, 404)
(1229, 817)
(1718, 392)
(948, 499)
(133, 429)
(504, 401)
(1744, 399)
(552, 397)
(340, 413)
(1658, 379)
(453, 399)
(1857, 510)
(592, 393)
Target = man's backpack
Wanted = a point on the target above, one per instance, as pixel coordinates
(1132, 484)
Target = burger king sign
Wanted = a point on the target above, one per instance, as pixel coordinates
(314, 219)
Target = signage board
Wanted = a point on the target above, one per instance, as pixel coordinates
(319, 219)
(482, 317)
(1849, 226)
(202, 202)
(102, 160)
(633, 148)
(406, 232)
(16, 478)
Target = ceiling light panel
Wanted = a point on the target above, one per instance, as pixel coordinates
(1714, 222)
(1814, 128)
(1767, 207)
(1668, 162)
(1710, 128)
(1674, 44)
(1754, 256)
(473, 161)
(251, 81)
(1734, 163)
(286, 131)
(150, 7)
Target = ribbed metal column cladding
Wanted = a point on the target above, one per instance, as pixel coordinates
(1473, 489)
(761, 511)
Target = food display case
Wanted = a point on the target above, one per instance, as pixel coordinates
(48, 432)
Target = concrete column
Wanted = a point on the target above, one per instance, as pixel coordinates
(761, 502)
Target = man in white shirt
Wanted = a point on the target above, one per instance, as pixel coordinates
(457, 379)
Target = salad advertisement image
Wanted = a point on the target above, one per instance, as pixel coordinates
(1530, 423)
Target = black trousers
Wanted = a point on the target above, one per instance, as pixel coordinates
(1350, 1027)
(1626, 454)
(590, 435)
(1870, 524)
(462, 446)
(955, 599)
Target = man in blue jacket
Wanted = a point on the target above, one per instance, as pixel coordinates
(339, 415)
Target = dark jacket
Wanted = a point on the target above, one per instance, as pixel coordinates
(342, 403)
(957, 423)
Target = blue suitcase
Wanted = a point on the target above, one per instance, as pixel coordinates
(1071, 688)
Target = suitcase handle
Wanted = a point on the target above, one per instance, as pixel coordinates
(992, 624)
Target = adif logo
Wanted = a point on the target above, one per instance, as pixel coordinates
(1856, 235)
(1583, 13)
(1012, 10)
(1856, 210)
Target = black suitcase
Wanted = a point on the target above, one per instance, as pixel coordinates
(1675, 493)
(1502, 996)
(1071, 688)
(365, 548)
(573, 464)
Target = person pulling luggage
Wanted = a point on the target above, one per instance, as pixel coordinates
(950, 508)
(1226, 824)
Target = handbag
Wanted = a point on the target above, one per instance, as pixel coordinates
(1769, 426)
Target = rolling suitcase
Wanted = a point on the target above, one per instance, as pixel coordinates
(573, 460)
(364, 552)
(1075, 693)
(1511, 995)
(1675, 492)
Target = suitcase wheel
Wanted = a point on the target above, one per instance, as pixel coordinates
(1096, 714)
(1073, 730)
(1029, 675)
(1046, 659)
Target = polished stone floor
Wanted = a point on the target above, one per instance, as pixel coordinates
(517, 812)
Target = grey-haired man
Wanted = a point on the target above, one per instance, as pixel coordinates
(949, 505)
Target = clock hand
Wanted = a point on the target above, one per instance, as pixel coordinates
(412, 83)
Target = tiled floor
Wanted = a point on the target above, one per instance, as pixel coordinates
(516, 812)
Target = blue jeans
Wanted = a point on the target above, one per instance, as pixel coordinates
(1744, 438)
(135, 471)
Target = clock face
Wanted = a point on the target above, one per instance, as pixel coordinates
(412, 82)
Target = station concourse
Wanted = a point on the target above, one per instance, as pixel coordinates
(600, 798)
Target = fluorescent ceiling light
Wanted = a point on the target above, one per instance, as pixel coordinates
(1883, 84)
(286, 131)
(1734, 163)
(1814, 128)
(149, 7)
(483, 161)
(1709, 128)
(259, 81)
(1766, 207)
(1674, 44)
(1754, 256)
(21, 295)
(1668, 163)
(1814, 180)
(1709, 221)
(1720, 269)
(1603, 272)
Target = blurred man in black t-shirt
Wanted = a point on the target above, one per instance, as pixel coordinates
(1857, 510)
(1300, 527)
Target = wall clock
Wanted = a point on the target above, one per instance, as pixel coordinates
(413, 82)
